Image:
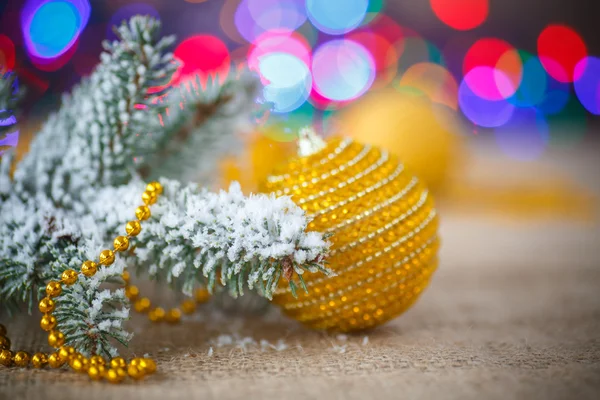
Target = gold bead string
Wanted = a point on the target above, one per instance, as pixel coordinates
(96, 367)
(143, 305)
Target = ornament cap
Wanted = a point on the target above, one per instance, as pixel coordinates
(309, 142)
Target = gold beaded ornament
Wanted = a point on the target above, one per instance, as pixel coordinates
(95, 367)
(384, 234)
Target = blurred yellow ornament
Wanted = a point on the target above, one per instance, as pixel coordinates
(267, 147)
(410, 126)
(384, 235)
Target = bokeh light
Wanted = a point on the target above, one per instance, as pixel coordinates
(483, 112)
(525, 136)
(462, 15)
(289, 81)
(560, 49)
(51, 28)
(278, 42)
(373, 11)
(587, 87)
(534, 81)
(255, 17)
(336, 17)
(7, 54)
(492, 69)
(383, 52)
(202, 55)
(342, 70)
(434, 81)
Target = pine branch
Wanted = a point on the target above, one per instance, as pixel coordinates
(200, 127)
(94, 137)
(195, 236)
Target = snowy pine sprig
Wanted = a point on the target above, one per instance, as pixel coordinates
(83, 176)
(94, 137)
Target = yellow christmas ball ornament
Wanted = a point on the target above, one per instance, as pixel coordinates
(410, 126)
(383, 228)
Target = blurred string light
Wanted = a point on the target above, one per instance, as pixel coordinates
(560, 49)
(7, 54)
(462, 15)
(127, 11)
(205, 56)
(255, 17)
(51, 29)
(278, 42)
(479, 110)
(336, 17)
(587, 87)
(374, 10)
(289, 81)
(342, 70)
(383, 52)
(502, 73)
(10, 139)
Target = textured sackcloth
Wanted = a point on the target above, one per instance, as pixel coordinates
(513, 312)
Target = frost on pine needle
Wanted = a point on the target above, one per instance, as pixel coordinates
(9, 95)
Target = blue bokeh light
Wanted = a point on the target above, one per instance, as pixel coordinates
(342, 70)
(289, 81)
(534, 80)
(587, 87)
(50, 28)
(336, 17)
(480, 111)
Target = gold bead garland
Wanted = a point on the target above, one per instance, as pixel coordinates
(143, 305)
(384, 235)
(95, 367)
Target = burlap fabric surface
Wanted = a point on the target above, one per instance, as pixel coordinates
(513, 312)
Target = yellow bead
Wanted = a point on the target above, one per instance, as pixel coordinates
(135, 372)
(156, 315)
(149, 198)
(202, 295)
(132, 292)
(154, 187)
(113, 376)
(173, 316)
(79, 363)
(4, 343)
(65, 353)
(47, 305)
(133, 228)
(118, 362)
(21, 359)
(188, 306)
(107, 257)
(54, 361)
(142, 213)
(142, 305)
(135, 361)
(2, 330)
(147, 365)
(96, 372)
(125, 276)
(121, 243)
(97, 360)
(89, 268)
(39, 360)
(48, 322)
(5, 358)
(53, 289)
(69, 277)
(56, 339)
